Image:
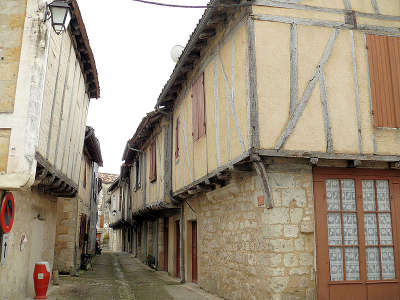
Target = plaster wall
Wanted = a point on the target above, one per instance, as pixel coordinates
(150, 193)
(223, 62)
(35, 218)
(246, 251)
(350, 134)
(155, 190)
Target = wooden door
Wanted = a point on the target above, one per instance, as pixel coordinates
(166, 244)
(357, 230)
(194, 251)
(178, 248)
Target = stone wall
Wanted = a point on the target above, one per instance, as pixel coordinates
(68, 224)
(12, 19)
(246, 251)
(66, 235)
(35, 218)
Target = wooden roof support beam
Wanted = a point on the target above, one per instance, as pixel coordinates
(187, 67)
(217, 18)
(354, 163)
(206, 34)
(262, 175)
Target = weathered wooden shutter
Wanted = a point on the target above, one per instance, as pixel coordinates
(82, 231)
(202, 106)
(139, 171)
(384, 67)
(177, 137)
(134, 181)
(198, 108)
(195, 114)
(153, 173)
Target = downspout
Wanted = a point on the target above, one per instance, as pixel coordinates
(176, 201)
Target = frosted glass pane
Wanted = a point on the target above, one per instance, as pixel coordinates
(382, 193)
(370, 229)
(368, 191)
(387, 263)
(373, 269)
(332, 194)
(336, 263)
(348, 194)
(334, 229)
(385, 228)
(352, 264)
(350, 229)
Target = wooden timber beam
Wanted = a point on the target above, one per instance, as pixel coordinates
(262, 174)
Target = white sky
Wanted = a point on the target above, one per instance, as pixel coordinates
(131, 43)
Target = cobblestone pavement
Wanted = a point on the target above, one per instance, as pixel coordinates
(119, 276)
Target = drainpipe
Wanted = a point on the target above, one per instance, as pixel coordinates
(176, 201)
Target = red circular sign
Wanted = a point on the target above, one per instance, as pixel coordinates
(7, 213)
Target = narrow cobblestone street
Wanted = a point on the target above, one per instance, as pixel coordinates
(119, 276)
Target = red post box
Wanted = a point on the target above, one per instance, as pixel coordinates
(41, 278)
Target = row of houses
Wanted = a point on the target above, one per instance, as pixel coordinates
(49, 158)
(269, 168)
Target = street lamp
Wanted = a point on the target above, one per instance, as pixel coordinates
(60, 14)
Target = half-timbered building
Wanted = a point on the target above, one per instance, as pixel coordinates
(284, 152)
(46, 83)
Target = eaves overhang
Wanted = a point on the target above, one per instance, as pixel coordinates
(143, 132)
(206, 28)
(83, 51)
(92, 146)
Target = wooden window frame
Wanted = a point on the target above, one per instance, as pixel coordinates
(198, 108)
(325, 285)
(384, 75)
(153, 162)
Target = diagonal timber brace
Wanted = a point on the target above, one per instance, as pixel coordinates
(262, 175)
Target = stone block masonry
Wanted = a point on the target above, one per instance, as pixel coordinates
(251, 252)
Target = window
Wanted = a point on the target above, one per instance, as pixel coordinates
(177, 137)
(384, 69)
(198, 108)
(153, 159)
(355, 225)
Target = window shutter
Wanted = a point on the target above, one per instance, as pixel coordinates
(384, 67)
(195, 113)
(134, 181)
(153, 174)
(202, 108)
(198, 108)
(139, 171)
(177, 138)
